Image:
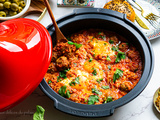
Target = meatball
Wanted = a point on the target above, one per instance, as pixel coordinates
(132, 54)
(114, 39)
(51, 68)
(123, 46)
(126, 86)
(80, 38)
(64, 49)
(62, 63)
(54, 56)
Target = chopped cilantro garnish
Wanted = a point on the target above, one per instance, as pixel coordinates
(90, 60)
(105, 87)
(108, 58)
(94, 54)
(94, 72)
(120, 55)
(92, 99)
(109, 67)
(114, 48)
(109, 99)
(111, 41)
(118, 73)
(62, 74)
(62, 91)
(74, 82)
(99, 33)
(94, 90)
(103, 37)
(99, 80)
(49, 82)
(76, 44)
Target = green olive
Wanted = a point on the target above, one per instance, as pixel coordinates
(1, 6)
(2, 1)
(12, 13)
(15, 1)
(7, 5)
(20, 9)
(6, 11)
(22, 4)
(8, 0)
(14, 7)
(2, 14)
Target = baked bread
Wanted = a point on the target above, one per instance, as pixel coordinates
(121, 6)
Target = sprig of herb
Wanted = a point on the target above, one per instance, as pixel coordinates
(92, 99)
(39, 114)
(118, 73)
(76, 44)
(62, 91)
(74, 82)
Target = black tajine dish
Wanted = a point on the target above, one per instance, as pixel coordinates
(87, 18)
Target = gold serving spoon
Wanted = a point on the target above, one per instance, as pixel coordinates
(59, 35)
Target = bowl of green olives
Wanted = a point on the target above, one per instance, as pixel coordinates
(10, 9)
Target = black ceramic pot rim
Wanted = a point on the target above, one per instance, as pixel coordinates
(104, 109)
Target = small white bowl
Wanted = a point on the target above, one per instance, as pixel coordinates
(28, 2)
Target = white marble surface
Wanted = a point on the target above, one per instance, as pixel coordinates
(141, 108)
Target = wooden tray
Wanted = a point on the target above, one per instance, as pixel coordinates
(36, 7)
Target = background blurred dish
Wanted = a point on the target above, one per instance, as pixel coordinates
(148, 6)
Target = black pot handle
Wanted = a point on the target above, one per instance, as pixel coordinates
(82, 112)
(108, 12)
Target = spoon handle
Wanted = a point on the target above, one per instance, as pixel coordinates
(59, 34)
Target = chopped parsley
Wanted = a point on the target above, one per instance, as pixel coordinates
(111, 41)
(92, 99)
(105, 87)
(62, 91)
(105, 43)
(120, 55)
(109, 99)
(76, 44)
(94, 72)
(90, 60)
(49, 82)
(118, 73)
(74, 82)
(108, 58)
(94, 90)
